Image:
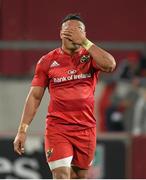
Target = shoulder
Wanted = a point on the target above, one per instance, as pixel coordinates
(47, 58)
(52, 53)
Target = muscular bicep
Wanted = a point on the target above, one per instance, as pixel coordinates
(104, 60)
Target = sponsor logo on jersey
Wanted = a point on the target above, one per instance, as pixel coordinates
(71, 77)
(72, 71)
(54, 64)
(85, 58)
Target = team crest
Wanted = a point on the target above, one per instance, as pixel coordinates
(85, 58)
(49, 152)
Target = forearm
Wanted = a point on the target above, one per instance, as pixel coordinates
(30, 109)
(103, 59)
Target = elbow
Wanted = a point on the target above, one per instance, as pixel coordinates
(111, 65)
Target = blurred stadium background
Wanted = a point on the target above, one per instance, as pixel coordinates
(28, 30)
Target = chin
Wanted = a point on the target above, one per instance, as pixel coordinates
(75, 47)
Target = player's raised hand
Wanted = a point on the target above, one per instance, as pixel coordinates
(77, 35)
(19, 143)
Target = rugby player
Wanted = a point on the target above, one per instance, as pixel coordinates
(70, 73)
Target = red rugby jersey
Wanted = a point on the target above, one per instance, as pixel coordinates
(71, 81)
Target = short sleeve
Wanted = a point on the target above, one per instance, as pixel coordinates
(94, 65)
(41, 76)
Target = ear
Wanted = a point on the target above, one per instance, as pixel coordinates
(60, 34)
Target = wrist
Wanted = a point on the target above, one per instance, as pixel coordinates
(87, 44)
(23, 128)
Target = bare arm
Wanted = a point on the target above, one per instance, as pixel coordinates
(104, 60)
(32, 103)
(30, 108)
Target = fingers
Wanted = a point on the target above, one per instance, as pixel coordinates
(72, 30)
(19, 147)
(22, 148)
(66, 35)
(71, 33)
(74, 35)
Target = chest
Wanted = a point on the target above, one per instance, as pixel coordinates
(67, 66)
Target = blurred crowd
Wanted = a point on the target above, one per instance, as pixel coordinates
(122, 106)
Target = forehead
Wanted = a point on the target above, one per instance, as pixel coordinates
(73, 23)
